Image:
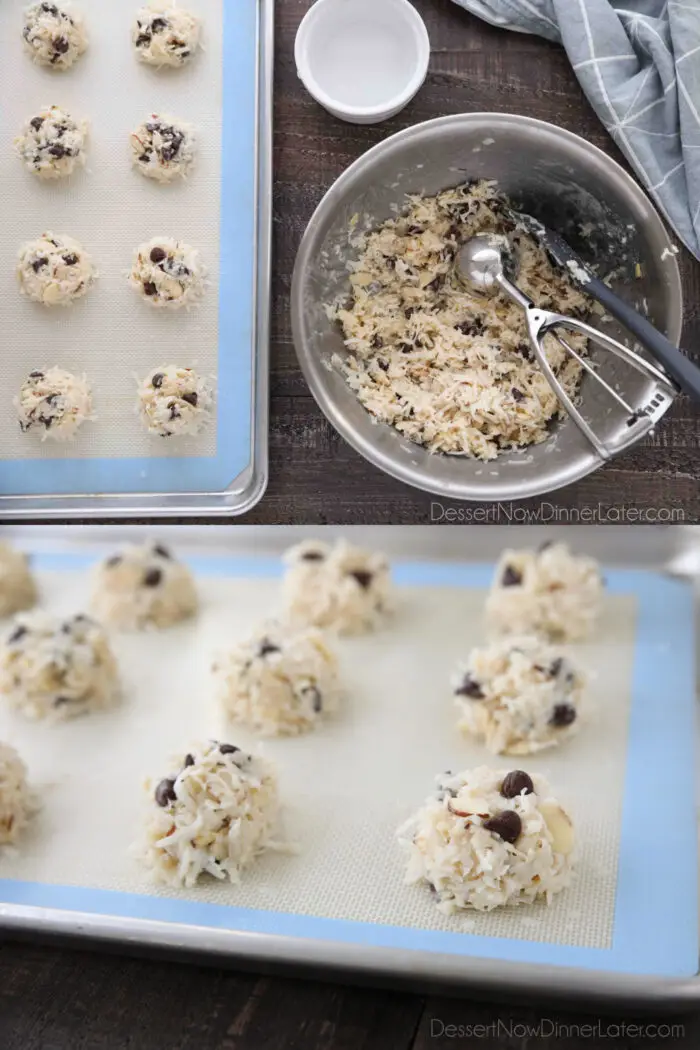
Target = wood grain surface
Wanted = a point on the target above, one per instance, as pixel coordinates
(58, 999)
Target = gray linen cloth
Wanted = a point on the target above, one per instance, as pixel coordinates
(638, 62)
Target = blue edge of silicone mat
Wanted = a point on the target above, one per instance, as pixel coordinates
(236, 323)
(656, 917)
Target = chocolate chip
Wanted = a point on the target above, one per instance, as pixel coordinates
(157, 255)
(71, 259)
(60, 45)
(158, 548)
(312, 556)
(384, 365)
(165, 792)
(556, 667)
(38, 263)
(143, 39)
(517, 394)
(266, 646)
(19, 632)
(157, 380)
(507, 825)
(474, 327)
(562, 715)
(115, 560)
(189, 760)
(437, 283)
(413, 230)
(228, 749)
(145, 158)
(50, 9)
(376, 342)
(511, 577)
(363, 578)
(471, 688)
(159, 24)
(152, 578)
(61, 700)
(57, 151)
(409, 312)
(36, 375)
(149, 288)
(191, 399)
(316, 698)
(517, 782)
(36, 122)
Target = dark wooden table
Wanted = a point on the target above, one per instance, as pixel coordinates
(54, 999)
(315, 476)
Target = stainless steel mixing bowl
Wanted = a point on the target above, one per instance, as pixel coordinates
(560, 178)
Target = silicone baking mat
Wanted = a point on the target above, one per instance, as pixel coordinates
(112, 335)
(627, 778)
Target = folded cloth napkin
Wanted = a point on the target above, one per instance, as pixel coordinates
(638, 62)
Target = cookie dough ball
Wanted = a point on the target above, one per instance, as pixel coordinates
(17, 800)
(519, 696)
(164, 35)
(57, 669)
(167, 274)
(174, 401)
(281, 681)
(549, 591)
(56, 402)
(141, 587)
(214, 813)
(52, 143)
(339, 587)
(17, 587)
(54, 270)
(489, 838)
(54, 35)
(162, 148)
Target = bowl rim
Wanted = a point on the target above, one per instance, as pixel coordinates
(389, 105)
(311, 367)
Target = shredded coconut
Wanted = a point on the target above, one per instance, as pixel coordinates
(162, 148)
(143, 586)
(54, 270)
(52, 144)
(449, 370)
(174, 401)
(55, 401)
(17, 801)
(165, 35)
(17, 586)
(168, 274)
(54, 35)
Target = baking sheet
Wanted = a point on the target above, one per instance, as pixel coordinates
(347, 787)
(112, 335)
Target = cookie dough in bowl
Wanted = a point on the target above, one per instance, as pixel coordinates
(17, 801)
(213, 814)
(279, 682)
(52, 143)
(54, 270)
(162, 148)
(168, 274)
(55, 402)
(519, 696)
(17, 587)
(54, 34)
(174, 401)
(143, 586)
(548, 591)
(57, 669)
(339, 587)
(488, 839)
(164, 34)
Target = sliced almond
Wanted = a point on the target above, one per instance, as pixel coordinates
(560, 827)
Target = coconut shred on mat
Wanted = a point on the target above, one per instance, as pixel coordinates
(451, 371)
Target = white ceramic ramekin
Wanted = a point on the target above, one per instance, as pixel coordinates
(362, 60)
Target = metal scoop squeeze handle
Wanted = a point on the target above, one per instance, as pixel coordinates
(480, 265)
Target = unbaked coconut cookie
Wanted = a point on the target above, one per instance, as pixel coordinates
(52, 143)
(549, 591)
(168, 274)
(17, 586)
(281, 681)
(163, 148)
(519, 696)
(17, 801)
(174, 401)
(214, 813)
(143, 586)
(57, 669)
(54, 34)
(165, 35)
(54, 270)
(336, 586)
(55, 402)
(490, 838)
